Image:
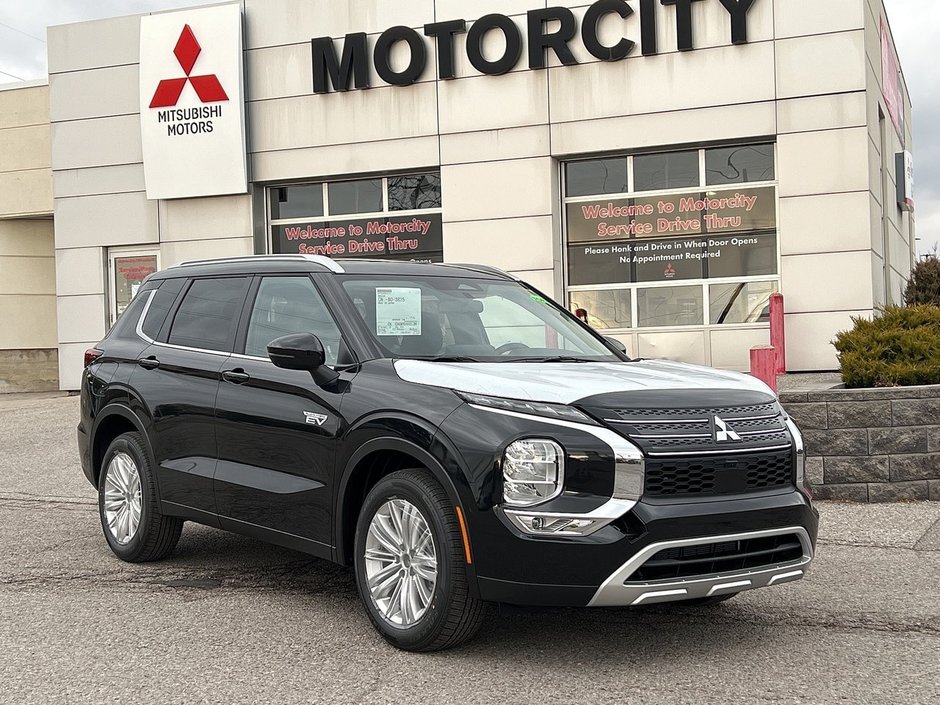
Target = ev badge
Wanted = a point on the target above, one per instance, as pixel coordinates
(315, 419)
(723, 433)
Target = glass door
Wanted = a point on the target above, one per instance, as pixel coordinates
(127, 270)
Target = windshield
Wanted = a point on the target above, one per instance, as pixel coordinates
(462, 319)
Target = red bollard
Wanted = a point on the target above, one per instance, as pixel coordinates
(778, 336)
(764, 366)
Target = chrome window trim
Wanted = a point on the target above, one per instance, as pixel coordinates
(616, 591)
(143, 316)
(188, 349)
(330, 264)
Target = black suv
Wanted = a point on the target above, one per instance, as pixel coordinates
(448, 431)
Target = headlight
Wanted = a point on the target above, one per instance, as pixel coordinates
(533, 472)
(531, 408)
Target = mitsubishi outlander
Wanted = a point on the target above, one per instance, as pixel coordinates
(447, 431)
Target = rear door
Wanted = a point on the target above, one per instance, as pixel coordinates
(277, 429)
(177, 380)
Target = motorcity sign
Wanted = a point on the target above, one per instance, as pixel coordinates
(548, 29)
(192, 109)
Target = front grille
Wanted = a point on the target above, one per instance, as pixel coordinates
(719, 558)
(718, 475)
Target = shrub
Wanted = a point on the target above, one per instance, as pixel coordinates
(924, 284)
(901, 347)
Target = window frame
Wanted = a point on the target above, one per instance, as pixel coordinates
(635, 287)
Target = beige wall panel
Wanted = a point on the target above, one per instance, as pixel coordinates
(80, 271)
(664, 129)
(117, 219)
(495, 145)
(796, 18)
(26, 193)
(541, 279)
(277, 22)
(205, 218)
(822, 112)
(176, 252)
(27, 275)
(29, 322)
(731, 349)
(695, 79)
(81, 318)
(827, 282)
(685, 346)
(833, 161)
(841, 220)
(509, 189)
(99, 93)
(488, 103)
(109, 42)
(828, 63)
(815, 333)
(516, 243)
(99, 180)
(27, 238)
(71, 364)
(340, 118)
(346, 159)
(21, 107)
(98, 142)
(25, 148)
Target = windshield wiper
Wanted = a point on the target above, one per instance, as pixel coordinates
(445, 358)
(557, 358)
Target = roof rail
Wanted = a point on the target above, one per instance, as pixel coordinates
(330, 264)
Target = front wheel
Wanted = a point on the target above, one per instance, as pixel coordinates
(410, 565)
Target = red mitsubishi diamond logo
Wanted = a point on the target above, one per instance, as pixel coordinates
(207, 87)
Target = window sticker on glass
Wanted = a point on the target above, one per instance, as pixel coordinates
(397, 312)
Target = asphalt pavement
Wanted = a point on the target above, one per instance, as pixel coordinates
(228, 619)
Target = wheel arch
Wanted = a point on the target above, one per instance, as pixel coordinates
(112, 421)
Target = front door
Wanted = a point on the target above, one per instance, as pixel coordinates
(276, 428)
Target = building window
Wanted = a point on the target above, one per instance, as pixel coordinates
(689, 239)
(396, 217)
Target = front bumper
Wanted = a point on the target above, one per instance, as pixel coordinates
(596, 570)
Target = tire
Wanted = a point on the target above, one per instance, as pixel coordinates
(155, 536)
(451, 616)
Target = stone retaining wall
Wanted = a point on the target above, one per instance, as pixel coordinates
(870, 445)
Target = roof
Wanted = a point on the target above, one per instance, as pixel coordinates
(280, 264)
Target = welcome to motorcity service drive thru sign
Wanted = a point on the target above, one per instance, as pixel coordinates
(192, 107)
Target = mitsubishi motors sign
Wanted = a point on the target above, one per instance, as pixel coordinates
(192, 106)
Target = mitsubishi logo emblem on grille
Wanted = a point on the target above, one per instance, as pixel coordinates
(723, 432)
(207, 87)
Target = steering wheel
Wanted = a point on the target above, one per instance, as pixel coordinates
(510, 347)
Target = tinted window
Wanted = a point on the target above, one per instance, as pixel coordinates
(126, 324)
(745, 302)
(288, 305)
(652, 172)
(160, 307)
(671, 306)
(356, 197)
(596, 177)
(407, 193)
(736, 165)
(208, 315)
(297, 202)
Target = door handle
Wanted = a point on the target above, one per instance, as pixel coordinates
(238, 376)
(149, 363)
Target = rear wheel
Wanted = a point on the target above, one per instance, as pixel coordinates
(128, 505)
(410, 565)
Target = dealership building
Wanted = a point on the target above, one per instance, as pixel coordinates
(659, 166)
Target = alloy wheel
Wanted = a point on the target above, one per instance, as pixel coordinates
(122, 499)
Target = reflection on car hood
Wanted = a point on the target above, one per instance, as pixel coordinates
(564, 383)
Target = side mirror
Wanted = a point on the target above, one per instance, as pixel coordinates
(302, 351)
(616, 343)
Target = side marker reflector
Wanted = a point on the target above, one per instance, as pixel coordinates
(466, 537)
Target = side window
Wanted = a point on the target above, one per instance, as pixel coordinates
(126, 325)
(208, 315)
(160, 307)
(288, 305)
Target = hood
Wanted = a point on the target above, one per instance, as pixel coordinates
(565, 383)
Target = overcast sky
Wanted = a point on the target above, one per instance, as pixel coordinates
(915, 23)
